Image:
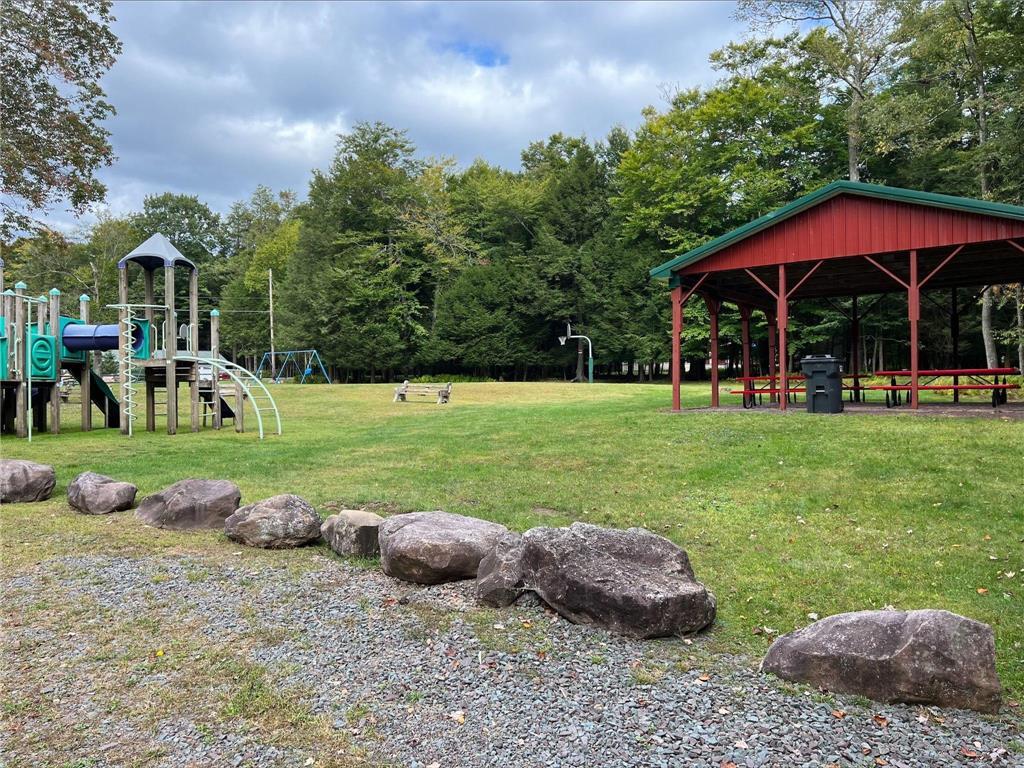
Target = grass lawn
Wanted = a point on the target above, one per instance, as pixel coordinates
(783, 516)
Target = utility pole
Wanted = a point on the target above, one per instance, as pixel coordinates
(273, 357)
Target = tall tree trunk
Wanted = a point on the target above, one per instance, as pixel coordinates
(987, 334)
(854, 137)
(966, 14)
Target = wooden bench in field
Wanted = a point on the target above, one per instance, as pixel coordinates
(443, 392)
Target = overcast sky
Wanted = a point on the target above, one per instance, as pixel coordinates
(215, 98)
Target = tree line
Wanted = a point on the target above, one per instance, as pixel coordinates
(395, 264)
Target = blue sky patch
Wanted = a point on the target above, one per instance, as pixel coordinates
(481, 54)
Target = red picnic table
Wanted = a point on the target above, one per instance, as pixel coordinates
(753, 394)
(977, 378)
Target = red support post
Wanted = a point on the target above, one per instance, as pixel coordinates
(772, 369)
(745, 341)
(745, 313)
(677, 333)
(714, 305)
(914, 314)
(855, 342)
(782, 315)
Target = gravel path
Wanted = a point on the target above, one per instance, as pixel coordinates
(421, 677)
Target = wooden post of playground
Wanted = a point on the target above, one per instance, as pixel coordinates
(123, 348)
(55, 389)
(215, 355)
(20, 341)
(150, 385)
(170, 351)
(193, 342)
(7, 307)
(83, 313)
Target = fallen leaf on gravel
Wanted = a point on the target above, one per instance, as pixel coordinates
(922, 719)
(729, 764)
(967, 752)
(881, 761)
(527, 623)
(881, 720)
(838, 714)
(704, 678)
(458, 716)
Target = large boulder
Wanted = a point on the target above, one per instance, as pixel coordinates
(280, 522)
(25, 481)
(98, 494)
(435, 547)
(914, 657)
(499, 579)
(352, 532)
(633, 582)
(190, 504)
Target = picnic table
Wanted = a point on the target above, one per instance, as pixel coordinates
(442, 392)
(756, 387)
(977, 379)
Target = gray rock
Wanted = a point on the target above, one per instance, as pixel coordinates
(280, 522)
(190, 504)
(22, 481)
(633, 582)
(352, 532)
(915, 657)
(499, 579)
(435, 547)
(98, 494)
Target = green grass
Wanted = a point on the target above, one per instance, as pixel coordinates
(782, 515)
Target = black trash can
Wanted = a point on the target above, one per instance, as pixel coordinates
(824, 383)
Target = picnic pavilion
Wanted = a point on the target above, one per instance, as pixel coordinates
(849, 240)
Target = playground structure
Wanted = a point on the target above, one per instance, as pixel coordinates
(35, 349)
(295, 363)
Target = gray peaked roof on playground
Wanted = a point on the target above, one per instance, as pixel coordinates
(157, 251)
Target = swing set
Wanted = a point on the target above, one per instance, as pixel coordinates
(296, 363)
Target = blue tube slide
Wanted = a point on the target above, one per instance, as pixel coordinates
(81, 337)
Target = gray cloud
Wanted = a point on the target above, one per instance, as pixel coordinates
(214, 98)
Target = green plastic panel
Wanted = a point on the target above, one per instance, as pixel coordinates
(65, 353)
(3, 349)
(43, 354)
(145, 352)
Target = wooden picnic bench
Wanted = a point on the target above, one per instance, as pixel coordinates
(978, 378)
(443, 392)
